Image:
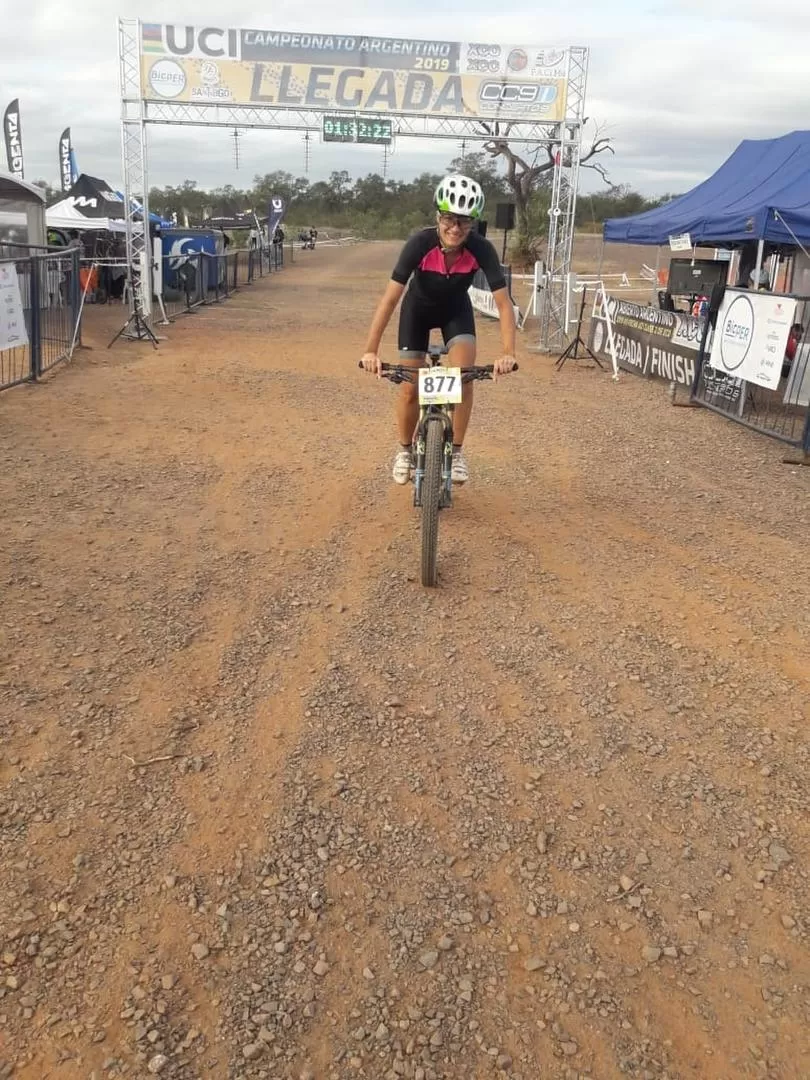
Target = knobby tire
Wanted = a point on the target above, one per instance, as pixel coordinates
(431, 495)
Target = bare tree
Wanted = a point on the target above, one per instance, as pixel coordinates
(524, 176)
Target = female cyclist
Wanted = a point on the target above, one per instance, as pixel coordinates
(440, 263)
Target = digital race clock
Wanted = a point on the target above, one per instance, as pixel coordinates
(357, 129)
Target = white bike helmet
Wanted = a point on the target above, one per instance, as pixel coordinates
(458, 194)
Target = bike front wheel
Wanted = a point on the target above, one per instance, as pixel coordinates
(431, 496)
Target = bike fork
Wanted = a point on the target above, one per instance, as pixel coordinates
(433, 415)
(418, 465)
(446, 498)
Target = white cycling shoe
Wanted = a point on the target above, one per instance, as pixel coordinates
(403, 464)
(459, 474)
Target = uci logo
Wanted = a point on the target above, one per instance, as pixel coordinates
(208, 41)
(506, 93)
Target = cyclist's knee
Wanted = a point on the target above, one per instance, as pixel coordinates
(409, 391)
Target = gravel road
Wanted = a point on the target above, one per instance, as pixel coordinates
(270, 810)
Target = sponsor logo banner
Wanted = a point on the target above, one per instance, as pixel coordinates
(649, 342)
(66, 160)
(13, 332)
(329, 72)
(275, 215)
(751, 336)
(12, 131)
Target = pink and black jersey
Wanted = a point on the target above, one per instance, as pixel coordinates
(422, 261)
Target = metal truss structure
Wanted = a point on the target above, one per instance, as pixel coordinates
(564, 138)
(133, 158)
(280, 118)
(562, 211)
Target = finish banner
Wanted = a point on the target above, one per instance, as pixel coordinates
(330, 72)
(649, 342)
(13, 136)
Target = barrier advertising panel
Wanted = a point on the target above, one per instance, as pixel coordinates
(649, 342)
(334, 72)
(751, 336)
(13, 331)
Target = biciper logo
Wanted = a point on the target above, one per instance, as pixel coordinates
(736, 333)
(167, 78)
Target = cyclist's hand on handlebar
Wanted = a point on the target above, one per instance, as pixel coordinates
(503, 365)
(371, 362)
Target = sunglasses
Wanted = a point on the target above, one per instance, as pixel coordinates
(455, 219)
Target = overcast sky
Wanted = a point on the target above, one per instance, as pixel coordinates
(675, 85)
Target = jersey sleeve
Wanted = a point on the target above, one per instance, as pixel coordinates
(411, 255)
(490, 263)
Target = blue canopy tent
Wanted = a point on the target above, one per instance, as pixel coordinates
(761, 193)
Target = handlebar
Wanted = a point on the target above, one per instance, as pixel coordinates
(399, 373)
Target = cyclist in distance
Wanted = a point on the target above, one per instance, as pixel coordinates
(440, 263)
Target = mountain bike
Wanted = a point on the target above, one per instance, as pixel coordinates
(439, 393)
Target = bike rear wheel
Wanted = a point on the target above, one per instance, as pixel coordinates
(431, 496)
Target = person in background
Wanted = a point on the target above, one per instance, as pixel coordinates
(761, 282)
(794, 337)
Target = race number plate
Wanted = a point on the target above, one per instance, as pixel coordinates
(439, 386)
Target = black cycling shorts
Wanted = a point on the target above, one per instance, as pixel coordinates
(417, 319)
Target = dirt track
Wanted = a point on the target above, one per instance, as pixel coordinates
(270, 809)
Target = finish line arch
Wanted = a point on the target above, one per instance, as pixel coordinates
(278, 80)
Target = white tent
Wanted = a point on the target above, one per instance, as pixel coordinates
(89, 205)
(66, 215)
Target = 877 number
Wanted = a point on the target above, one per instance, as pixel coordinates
(439, 384)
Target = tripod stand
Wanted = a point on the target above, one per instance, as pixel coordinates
(140, 327)
(572, 350)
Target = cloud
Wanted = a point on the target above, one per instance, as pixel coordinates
(676, 89)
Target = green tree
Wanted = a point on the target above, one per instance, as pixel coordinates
(372, 205)
(340, 186)
(228, 200)
(185, 201)
(274, 183)
(371, 193)
(481, 167)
